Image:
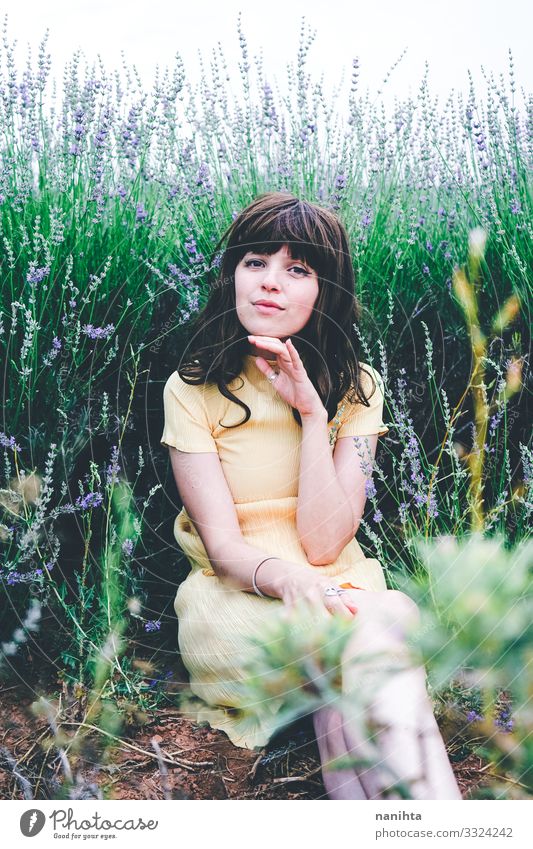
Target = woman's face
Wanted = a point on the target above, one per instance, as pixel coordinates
(290, 284)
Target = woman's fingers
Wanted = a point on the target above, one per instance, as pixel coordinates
(335, 604)
(262, 365)
(276, 346)
(342, 605)
(293, 352)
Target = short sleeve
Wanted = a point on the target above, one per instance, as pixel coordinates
(186, 422)
(358, 420)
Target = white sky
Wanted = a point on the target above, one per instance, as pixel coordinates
(453, 36)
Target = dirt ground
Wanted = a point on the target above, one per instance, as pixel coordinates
(196, 762)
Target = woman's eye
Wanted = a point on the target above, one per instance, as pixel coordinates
(303, 271)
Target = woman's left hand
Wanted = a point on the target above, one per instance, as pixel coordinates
(293, 383)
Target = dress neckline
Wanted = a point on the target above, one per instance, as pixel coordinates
(255, 376)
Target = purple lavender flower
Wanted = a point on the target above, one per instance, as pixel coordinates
(127, 547)
(192, 250)
(403, 509)
(72, 303)
(114, 468)
(370, 488)
(56, 343)
(504, 721)
(425, 269)
(37, 275)
(98, 332)
(16, 577)
(100, 137)
(495, 420)
(203, 179)
(432, 506)
(13, 578)
(473, 716)
(152, 625)
(413, 453)
(340, 181)
(9, 442)
(515, 207)
(378, 516)
(92, 499)
(141, 213)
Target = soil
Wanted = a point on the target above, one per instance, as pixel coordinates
(197, 761)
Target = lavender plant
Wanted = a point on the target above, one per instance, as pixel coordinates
(111, 199)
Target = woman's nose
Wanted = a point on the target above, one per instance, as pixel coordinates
(271, 279)
(271, 284)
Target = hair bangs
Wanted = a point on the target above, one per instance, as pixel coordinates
(298, 226)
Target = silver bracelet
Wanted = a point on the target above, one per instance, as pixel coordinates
(254, 584)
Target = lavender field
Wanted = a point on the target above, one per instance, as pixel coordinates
(112, 200)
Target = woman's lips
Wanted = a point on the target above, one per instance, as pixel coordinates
(267, 310)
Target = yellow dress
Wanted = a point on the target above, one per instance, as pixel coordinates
(260, 461)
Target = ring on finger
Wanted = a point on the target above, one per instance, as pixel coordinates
(331, 591)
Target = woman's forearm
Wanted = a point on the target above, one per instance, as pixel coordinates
(234, 563)
(324, 516)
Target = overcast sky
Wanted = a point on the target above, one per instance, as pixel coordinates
(453, 36)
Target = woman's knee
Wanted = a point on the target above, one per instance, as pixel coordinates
(391, 607)
(385, 621)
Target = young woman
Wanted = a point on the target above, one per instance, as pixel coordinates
(259, 420)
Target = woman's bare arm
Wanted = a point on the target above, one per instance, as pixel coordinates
(324, 515)
(207, 499)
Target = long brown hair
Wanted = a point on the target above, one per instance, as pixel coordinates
(328, 344)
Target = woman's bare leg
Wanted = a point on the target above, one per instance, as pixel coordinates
(339, 783)
(397, 703)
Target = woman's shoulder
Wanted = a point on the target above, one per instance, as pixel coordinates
(367, 373)
(191, 405)
(370, 381)
(204, 392)
(175, 380)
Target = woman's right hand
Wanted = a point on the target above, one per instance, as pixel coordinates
(309, 587)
